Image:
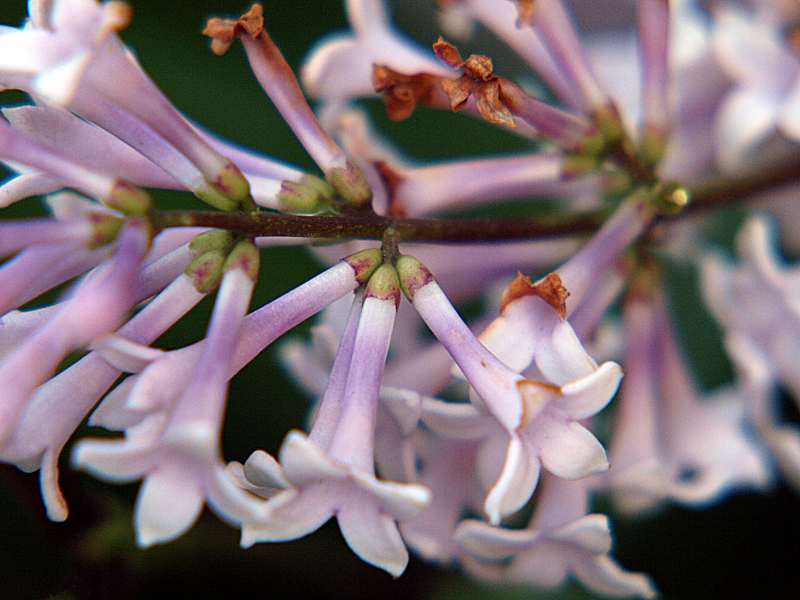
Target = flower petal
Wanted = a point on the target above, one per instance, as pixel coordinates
(169, 502)
(603, 575)
(488, 542)
(372, 535)
(567, 449)
(589, 395)
(516, 483)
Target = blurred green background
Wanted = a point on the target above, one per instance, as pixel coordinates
(745, 547)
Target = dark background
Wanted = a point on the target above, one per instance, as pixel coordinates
(745, 547)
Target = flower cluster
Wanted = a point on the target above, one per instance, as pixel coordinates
(442, 445)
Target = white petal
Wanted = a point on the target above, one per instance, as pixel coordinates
(262, 470)
(588, 396)
(124, 354)
(404, 405)
(169, 502)
(455, 420)
(60, 84)
(401, 500)
(372, 535)
(229, 501)
(112, 412)
(516, 483)
(27, 185)
(567, 449)
(51, 492)
(112, 460)
(488, 542)
(292, 514)
(304, 462)
(746, 118)
(602, 574)
(590, 533)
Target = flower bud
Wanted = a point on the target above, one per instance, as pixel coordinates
(351, 184)
(384, 284)
(105, 228)
(216, 239)
(307, 196)
(205, 271)
(244, 256)
(364, 263)
(413, 275)
(129, 199)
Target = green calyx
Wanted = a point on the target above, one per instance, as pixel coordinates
(350, 184)
(206, 270)
(365, 263)
(384, 284)
(105, 228)
(244, 256)
(232, 184)
(307, 196)
(216, 239)
(128, 199)
(214, 198)
(413, 275)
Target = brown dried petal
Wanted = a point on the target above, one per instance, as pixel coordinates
(550, 289)
(223, 32)
(478, 66)
(402, 93)
(448, 53)
(458, 90)
(491, 107)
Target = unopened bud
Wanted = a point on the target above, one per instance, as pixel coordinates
(105, 228)
(214, 198)
(351, 184)
(244, 256)
(216, 239)
(128, 199)
(670, 198)
(309, 195)
(384, 284)
(413, 275)
(205, 271)
(364, 263)
(232, 184)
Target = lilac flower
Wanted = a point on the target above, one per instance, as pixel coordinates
(399, 408)
(448, 471)
(155, 389)
(59, 406)
(406, 189)
(98, 306)
(341, 67)
(531, 421)
(766, 93)
(279, 82)
(501, 19)
(70, 56)
(94, 147)
(176, 452)
(562, 539)
(757, 304)
(667, 443)
(553, 25)
(331, 470)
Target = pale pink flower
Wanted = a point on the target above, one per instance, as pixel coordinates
(561, 540)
